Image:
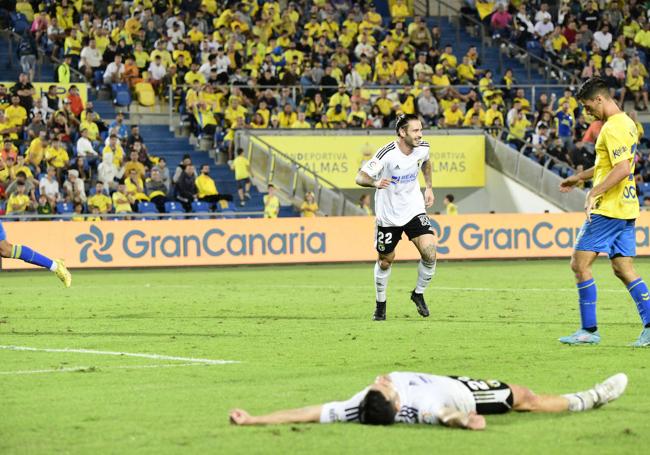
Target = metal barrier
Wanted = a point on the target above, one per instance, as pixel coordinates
(532, 175)
(134, 216)
(270, 166)
(445, 9)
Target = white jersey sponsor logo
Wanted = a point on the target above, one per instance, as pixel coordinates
(403, 199)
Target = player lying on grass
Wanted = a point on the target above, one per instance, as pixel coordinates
(453, 401)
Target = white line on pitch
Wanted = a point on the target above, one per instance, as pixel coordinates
(343, 286)
(88, 369)
(122, 354)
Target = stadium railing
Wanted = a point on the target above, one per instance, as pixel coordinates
(14, 38)
(28, 216)
(296, 90)
(270, 166)
(550, 71)
(531, 174)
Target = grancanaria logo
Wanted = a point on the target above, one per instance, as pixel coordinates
(95, 239)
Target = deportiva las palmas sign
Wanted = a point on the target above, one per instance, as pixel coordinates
(295, 240)
(457, 161)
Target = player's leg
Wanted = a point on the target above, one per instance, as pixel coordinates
(624, 269)
(419, 232)
(594, 237)
(24, 253)
(240, 192)
(382, 273)
(386, 239)
(525, 400)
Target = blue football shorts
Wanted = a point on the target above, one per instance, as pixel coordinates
(3, 234)
(613, 236)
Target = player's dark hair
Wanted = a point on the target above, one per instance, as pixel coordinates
(403, 121)
(593, 87)
(450, 197)
(376, 409)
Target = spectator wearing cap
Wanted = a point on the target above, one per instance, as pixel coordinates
(544, 27)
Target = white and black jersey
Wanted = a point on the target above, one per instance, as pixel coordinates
(421, 396)
(403, 199)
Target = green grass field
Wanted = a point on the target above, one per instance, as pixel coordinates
(303, 335)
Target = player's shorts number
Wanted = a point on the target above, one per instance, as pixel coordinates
(479, 384)
(385, 238)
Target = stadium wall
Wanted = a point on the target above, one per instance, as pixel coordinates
(168, 243)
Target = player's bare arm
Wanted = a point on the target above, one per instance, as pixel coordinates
(453, 418)
(309, 414)
(365, 180)
(619, 172)
(568, 183)
(429, 198)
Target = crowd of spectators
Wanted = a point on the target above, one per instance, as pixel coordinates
(339, 64)
(58, 156)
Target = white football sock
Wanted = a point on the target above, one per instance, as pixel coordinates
(381, 282)
(581, 401)
(426, 270)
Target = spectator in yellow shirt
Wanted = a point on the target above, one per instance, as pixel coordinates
(399, 11)
(207, 189)
(635, 83)
(18, 202)
(492, 114)
(16, 114)
(121, 202)
(453, 116)
(301, 122)
(57, 157)
(271, 203)
(242, 169)
(115, 148)
(287, 117)
(309, 207)
(100, 199)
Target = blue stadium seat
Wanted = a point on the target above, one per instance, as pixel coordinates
(201, 207)
(174, 208)
(147, 207)
(121, 94)
(64, 208)
(645, 188)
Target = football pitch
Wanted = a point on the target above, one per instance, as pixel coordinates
(300, 335)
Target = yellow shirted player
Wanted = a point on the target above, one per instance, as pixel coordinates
(611, 207)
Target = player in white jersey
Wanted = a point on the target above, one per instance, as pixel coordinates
(400, 207)
(452, 401)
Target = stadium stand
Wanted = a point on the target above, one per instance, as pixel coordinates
(312, 64)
